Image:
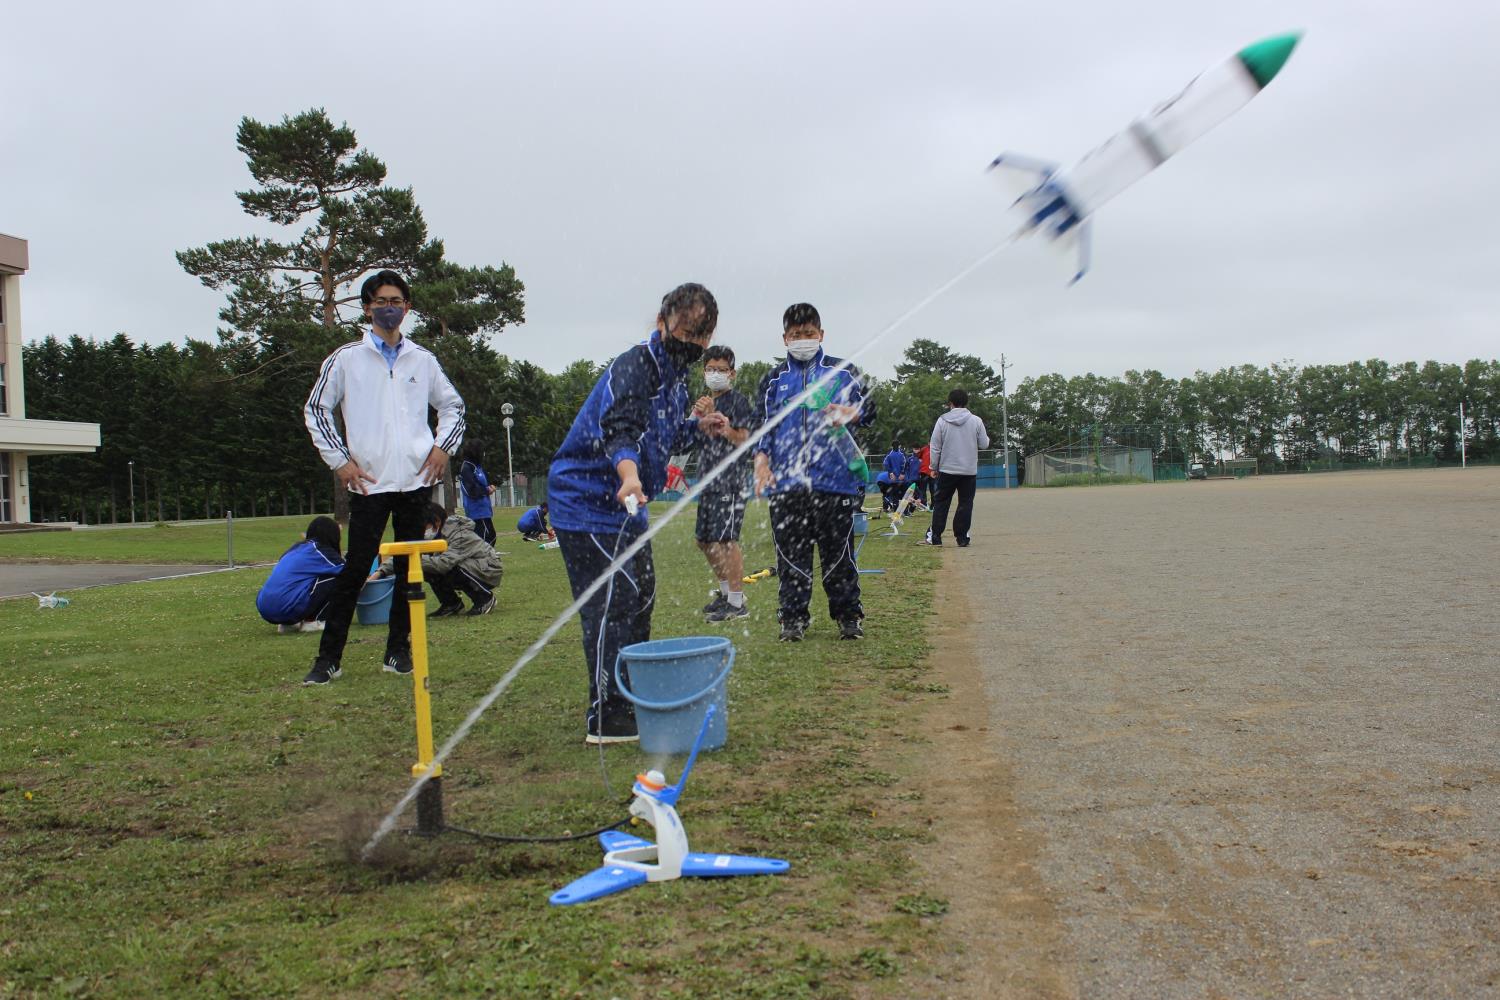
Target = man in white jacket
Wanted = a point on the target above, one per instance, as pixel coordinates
(956, 439)
(382, 385)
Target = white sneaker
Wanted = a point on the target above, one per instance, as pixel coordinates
(312, 626)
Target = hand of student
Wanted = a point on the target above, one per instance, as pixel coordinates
(492, 489)
(630, 486)
(353, 477)
(432, 469)
(703, 405)
(713, 423)
(764, 478)
(840, 414)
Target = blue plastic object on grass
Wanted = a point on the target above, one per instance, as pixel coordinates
(374, 607)
(672, 683)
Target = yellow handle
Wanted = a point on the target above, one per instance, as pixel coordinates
(418, 604)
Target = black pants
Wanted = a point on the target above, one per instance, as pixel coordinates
(617, 615)
(890, 494)
(947, 485)
(368, 514)
(924, 489)
(447, 585)
(798, 521)
(484, 527)
(317, 599)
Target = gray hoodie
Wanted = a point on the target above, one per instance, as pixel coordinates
(956, 439)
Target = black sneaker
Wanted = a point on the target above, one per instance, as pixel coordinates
(397, 661)
(793, 631)
(322, 672)
(728, 612)
(718, 602)
(448, 609)
(614, 731)
(483, 609)
(851, 629)
(963, 544)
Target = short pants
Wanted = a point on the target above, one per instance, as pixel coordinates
(720, 517)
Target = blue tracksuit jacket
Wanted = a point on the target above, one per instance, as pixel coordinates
(895, 464)
(635, 411)
(800, 457)
(913, 467)
(284, 596)
(475, 486)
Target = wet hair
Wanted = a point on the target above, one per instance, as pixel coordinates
(693, 303)
(959, 397)
(434, 513)
(800, 314)
(379, 278)
(323, 532)
(472, 451)
(719, 352)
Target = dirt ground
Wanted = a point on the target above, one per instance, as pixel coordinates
(1222, 739)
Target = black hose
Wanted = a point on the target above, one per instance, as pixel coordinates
(507, 839)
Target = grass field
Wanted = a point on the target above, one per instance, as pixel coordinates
(180, 816)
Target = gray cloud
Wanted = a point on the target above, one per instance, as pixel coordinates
(829, 152)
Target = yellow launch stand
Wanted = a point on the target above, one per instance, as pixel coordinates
(430, 798)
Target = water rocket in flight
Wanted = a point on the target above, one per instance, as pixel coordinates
(1059, 203)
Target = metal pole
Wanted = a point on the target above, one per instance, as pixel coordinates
(510, 474)
(1004, 428)
(1463, 445)
(229, 521)
(131, 465)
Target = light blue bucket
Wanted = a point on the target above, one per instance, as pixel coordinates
(374, 607)
(672, 683)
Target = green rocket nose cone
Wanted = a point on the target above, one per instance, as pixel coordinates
(1265, 58)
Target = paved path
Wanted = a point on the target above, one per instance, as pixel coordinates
(1241, 739)
(18, 579)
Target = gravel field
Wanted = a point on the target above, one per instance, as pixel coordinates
(1239, 738)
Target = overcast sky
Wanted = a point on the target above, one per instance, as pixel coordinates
(779, 152)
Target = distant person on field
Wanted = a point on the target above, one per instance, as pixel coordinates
(956, 439)
(725, 419)
(382, 385)
(295, 595)
(477, 491)
(892, 478)
(469, 564)
(914, 473)
(617, 449)
(533, 525)
(924, 474)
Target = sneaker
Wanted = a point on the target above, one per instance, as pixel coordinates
(728, 612)
(719, 601)
(793, 631)
(614, 731)
(288, 629)
(963, 544)
(397, 661)
(448, 609)
(312, 626)
(483, 609)
(322, 672)
(851, 629)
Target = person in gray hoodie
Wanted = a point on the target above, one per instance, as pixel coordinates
(469, 564)
(956, 439)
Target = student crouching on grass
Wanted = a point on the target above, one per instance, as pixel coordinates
(469, 564)
(618, 446)
(295, 595)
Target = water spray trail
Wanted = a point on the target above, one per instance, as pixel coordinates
(388, 824)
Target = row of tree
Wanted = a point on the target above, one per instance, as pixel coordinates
(203, 428)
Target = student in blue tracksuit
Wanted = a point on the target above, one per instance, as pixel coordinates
(533, 524)
(892, 478)
(813, 491)
(477, 490)
(295, 595)
(618, 446)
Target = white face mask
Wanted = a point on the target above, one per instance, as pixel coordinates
(430, 534)
(717, 381)
(803, 350)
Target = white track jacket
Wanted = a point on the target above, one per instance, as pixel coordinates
(384, 411)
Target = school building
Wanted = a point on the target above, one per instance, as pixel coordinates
(21, 438)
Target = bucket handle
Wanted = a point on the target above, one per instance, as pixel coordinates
(668, 706)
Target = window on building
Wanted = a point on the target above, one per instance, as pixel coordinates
(4, 406)
(5, 516)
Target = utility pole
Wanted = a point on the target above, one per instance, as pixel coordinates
(1004, 427)
(1463, 442)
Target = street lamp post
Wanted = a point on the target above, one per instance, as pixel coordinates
(510, 475)
(131, 465)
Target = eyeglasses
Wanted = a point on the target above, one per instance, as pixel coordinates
(397, 301)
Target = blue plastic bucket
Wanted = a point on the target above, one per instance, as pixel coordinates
(672, 683)
(374, 606)
(861, 523)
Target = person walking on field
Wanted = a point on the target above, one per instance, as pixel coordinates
(382, 385)
(956, 439)
(477, 492)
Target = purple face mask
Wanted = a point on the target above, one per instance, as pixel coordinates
(388, 317)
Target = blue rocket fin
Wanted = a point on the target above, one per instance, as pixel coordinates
(597, 883)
